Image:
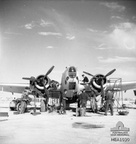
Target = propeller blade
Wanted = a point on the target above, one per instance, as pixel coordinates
(102, 92)
(49, 71)
(88, 73)
(25, 78)
(102, 89)
(109, 73)
(31, 78)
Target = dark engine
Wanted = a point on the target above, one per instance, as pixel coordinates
(97, 82)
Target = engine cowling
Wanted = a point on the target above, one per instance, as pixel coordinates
(96, 82)
(42, 81)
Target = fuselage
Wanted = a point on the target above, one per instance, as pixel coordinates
(70, 81)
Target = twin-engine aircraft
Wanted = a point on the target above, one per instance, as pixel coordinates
(70, 81)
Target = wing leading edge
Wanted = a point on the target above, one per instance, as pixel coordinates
(13, 88)
(123, 86)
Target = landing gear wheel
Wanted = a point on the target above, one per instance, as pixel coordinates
(23, 107)
(18, 107)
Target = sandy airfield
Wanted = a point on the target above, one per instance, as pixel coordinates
(53, 128)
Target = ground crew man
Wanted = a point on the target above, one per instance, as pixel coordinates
(46, 96)
(109, 97)
(82, 101)
(85, 79)
(93, 102)
(44, 102)
(25, 99)
(63, 102)
(78, 109)
(25, 94)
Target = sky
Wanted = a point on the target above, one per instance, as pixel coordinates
(94, 36)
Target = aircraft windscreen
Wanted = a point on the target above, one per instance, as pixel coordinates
(72, 69)
(72, 72)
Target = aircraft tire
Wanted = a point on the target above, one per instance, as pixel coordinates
(43, 107)
(23, 107)
(18, 107)
(11, 108)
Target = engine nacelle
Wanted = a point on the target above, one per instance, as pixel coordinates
(42, 81)
(96, 82)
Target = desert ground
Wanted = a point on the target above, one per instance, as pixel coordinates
(52, 128)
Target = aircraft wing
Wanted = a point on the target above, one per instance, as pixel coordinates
(13, 88)
(121, 86)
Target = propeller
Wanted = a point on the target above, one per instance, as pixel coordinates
(100, 79)
(88, 73)
(109, 73)
(102, 92)
(40, 79)
(32, 78)
(49, 71)
(26, 78)
(102, 82)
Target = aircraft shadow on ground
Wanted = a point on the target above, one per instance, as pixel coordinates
(88, 111)
(84, 125)
(3, 120)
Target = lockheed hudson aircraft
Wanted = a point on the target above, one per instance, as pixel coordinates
(70, 81)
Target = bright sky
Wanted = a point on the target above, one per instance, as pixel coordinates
(95, 36)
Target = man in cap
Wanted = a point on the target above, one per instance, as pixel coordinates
(63, 102)
(109, 97)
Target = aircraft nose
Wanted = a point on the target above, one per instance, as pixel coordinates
(72, 75)
(72, 72)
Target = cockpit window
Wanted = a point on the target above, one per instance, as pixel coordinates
(72, 69)
(72, 72)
